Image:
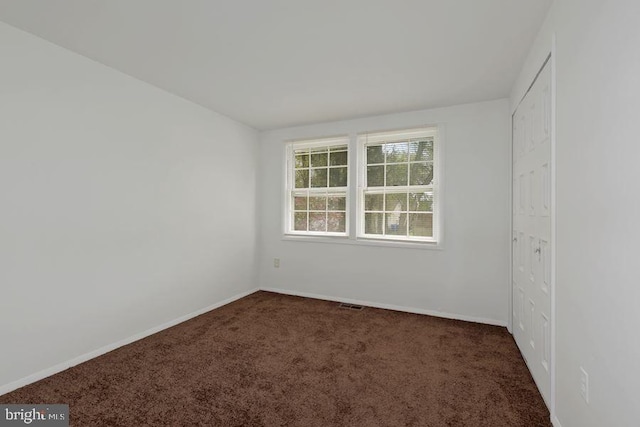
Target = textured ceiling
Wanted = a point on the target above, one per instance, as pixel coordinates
(276, 63)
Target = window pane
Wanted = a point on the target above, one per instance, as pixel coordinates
(318, 177)
(338, 177)
(396, 202)
(317, 221)
(302, 161)
(300, 221)
(421, 224)
(337, 203)
(396, 224)
(374, 202)
(421, 202)
(373, 223)
(319, 159)
(300, 203)
(397, 196)
(396, 152)
(375, 154)
(421, 150)
(302, 178)
(375, 176)
(421, 174)
(338, 158)
(336, 222)
(396, 175)
(317, 203)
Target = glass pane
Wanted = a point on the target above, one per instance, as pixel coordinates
(319, 159)
(300, 221)
(302, 161)
(336, 222)
(337, 203)
(375, 176)
(421, 224)
(373, 223)
(421, 150)
(317, 221)
(396, 202)
(317, 203)
(396, 224)
(374, 202)
(421, 174)
(375, 154)
(302, 178)
(318, 177)
(396, 152)
(338, 158)
(300, 203)
(338, 177)
(421, 202)
(338, 148)
(396, 175)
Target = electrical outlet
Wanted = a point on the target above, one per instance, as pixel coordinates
(584, 384)
(276, 262)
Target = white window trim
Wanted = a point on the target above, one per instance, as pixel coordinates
(366, 138)
(356, 151)
(289, 187)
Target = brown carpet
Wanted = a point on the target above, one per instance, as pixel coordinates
(276, 360)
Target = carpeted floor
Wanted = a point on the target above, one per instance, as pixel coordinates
(275, 360)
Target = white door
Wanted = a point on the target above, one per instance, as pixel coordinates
(531, 249)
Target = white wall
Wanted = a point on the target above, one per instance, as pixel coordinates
(598, 208)
(468, 278)
(122, 206)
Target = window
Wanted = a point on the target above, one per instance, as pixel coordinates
(398, 185)
(397, 198)
(317, 187)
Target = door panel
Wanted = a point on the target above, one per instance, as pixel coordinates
(531, 249)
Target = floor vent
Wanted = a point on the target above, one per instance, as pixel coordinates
(350, 306)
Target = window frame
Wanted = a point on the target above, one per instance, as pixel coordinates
(376, 138)
(354, 199)
(289, 208)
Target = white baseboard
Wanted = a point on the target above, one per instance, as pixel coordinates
(555, 421)
(107, 348)
(389, 307)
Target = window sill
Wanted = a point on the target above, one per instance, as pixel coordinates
(364, 242)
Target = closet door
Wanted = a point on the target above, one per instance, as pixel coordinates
(531, 246)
